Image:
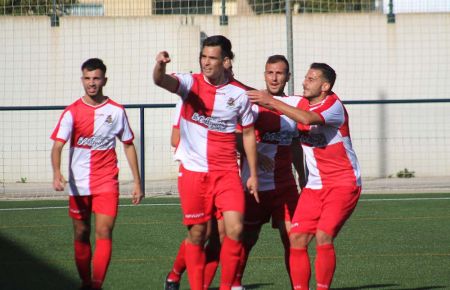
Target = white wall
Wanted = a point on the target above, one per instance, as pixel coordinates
(417, 6)
(40, 65)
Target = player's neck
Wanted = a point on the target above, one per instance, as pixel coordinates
(95, 100)
(318, 99)
(221, 80)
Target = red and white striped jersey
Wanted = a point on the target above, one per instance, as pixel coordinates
(92, 131)
(274, 133)
(208, 120)
(330, 157)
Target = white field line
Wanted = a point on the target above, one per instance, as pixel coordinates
(63, 207)
(173, 204)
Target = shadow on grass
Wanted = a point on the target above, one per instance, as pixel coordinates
(423, 288)
(252, 286)
(388, 286)
(20, 270)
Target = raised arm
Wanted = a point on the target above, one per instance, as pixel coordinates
(266, 100)
(58, 179)
(160, 78)
(130, 152)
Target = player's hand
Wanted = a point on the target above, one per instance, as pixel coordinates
(262, 98)
(59, 182)
(252, 186)
(162, 57)
(137, 195)
(265, 163)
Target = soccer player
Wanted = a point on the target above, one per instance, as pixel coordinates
(215, 231)
(213, 104)
(91, 124)
(277, 152)
(334, 181)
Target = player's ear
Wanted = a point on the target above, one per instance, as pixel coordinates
(325, 87)
(106, 80)
(288, 76)
(226, 62)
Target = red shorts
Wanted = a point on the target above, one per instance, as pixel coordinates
(277, 204)
(81, 207)
(325, 209)
(203, 192)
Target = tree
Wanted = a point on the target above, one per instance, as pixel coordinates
(34, 7)
(312, 6)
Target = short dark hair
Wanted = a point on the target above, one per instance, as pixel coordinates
(93, 64)
(278, 58)
(222, 41)
(327, 71)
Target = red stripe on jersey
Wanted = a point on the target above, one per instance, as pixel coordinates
(104, 172)
(334, 167)
(195, 104)
(303, 105)
(345, 128)
(325, 104)
(83, 123)
(221, 151)
(268, 123)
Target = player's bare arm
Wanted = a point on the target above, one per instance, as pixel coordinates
(297, 161)
(58, 179)
(264, 162)
(264, 99)
(160, 78)
(249, 142)
(130, 152)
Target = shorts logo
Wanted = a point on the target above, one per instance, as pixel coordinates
(295, 225)
(194, 215)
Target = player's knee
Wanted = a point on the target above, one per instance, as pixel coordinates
(323, 238)
(299, 240)
(103, 232)
(234, 231)
(197, 234)
(82, 232)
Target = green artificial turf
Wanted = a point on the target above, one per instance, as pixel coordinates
(391, 242)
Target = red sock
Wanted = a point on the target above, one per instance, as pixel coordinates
(195, 264)
(325, 266)
(247, 247)
(300, 268)
(212, 251)
(179, 265)
(83, 261)
(100, 263)
(229, 259)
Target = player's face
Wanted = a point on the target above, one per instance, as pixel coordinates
(93, 82)
(212, 64)
(314, 84)
(276, 77)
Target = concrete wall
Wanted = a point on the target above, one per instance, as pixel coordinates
(40, 65)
